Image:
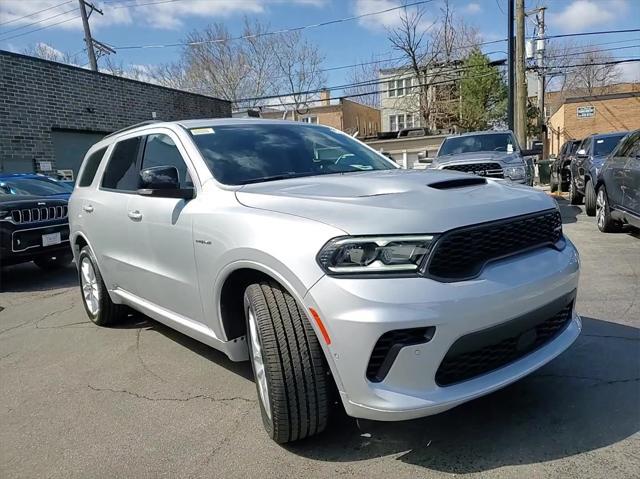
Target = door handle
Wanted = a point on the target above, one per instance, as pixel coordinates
(135, 215)
(88, 208)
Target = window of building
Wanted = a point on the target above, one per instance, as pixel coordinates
(399, 87)
(90, 167)
(310, 119)
(400, 122)
(122, 170)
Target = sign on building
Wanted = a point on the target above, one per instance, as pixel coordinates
(586, 111)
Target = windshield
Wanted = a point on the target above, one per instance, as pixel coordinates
(251, 153)
(472, 143)
(604, 146)
(33, 186)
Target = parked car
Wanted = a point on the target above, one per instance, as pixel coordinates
(618, 186)
(585, 166)
(304, 250)
(561, 166)
(493, 154)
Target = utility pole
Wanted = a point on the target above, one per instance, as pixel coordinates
(510, 65)
(540, 44)
(521, 80)
(87, 32)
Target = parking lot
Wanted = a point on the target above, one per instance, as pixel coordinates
(142, 400)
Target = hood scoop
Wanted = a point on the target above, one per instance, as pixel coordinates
(457, 183)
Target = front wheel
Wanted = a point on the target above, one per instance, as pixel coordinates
(575, 197)
(590, 199)
(288, 364)
(606, 224)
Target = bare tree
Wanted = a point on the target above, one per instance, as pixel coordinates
(432, 51)
(47, 52)
(363, 78)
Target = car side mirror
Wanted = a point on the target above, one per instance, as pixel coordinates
(162, 182)
(532, 152)
(581, 153)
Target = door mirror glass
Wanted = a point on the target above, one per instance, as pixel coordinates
(582, 152)
(162, 181)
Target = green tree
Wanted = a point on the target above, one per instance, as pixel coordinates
(483, 93)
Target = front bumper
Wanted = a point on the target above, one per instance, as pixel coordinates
(356, 312)
(23, 243)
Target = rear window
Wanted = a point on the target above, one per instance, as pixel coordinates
(122, 171)
(90, 167)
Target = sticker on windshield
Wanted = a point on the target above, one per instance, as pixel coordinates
(599, 141)
(202, 131)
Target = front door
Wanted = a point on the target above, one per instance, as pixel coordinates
(162, 236)
(631, 199)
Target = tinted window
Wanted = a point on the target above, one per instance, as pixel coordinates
(90, 167)
(122, 170)
(240, 154)
(40, 186)
(160, 150)
(604, 146)
(472, 143)
(631, 145)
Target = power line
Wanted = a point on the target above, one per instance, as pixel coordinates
(35, 13)
(39, 21)
(277, 32)
(582, 34)
(38, 29)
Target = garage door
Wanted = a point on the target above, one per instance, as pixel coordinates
(70, 146)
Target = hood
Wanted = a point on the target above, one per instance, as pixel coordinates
(23, 201)
(478, 157)
(395, 201)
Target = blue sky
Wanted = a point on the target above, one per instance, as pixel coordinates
(127, 22)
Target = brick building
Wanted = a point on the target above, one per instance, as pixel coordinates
(582, 116)
(51, 113)
(348, 116)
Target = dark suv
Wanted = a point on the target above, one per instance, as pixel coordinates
(561, 167)
(618, 186)
(586, 165)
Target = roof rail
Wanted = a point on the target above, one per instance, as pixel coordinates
(131, 127)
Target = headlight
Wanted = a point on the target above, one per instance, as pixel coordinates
(379, 254)
(514, 172)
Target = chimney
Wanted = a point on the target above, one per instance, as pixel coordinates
(325, 97)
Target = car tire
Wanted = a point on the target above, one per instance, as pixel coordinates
(52, 263)
(289, 367)
(606, 224)
(553, 185)
(575, 197)
(590, 199)
(95, 296)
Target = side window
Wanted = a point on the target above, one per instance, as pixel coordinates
(631, 146)
(90, 167)
(122, 171)
(160, 150)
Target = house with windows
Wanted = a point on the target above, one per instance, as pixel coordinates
(345, 115)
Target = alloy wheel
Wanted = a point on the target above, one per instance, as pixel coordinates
(89, 284)
(601, 204)
(258, 364)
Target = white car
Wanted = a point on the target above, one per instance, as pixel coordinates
(331, 269)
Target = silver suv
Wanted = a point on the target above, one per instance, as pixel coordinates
(338, 275)
(493, 154)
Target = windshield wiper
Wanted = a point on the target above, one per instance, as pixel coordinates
(282, 176)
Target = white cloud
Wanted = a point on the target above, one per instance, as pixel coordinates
(383, 20)
(630, 72)
(472, 8)
(582, 14)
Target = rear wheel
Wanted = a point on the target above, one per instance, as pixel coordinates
(575, 197)
(606, 224)
(97, 303)
(53, 262)
(553, 185)
(288, 364)
(590, 199)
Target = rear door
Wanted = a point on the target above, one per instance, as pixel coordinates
(631, 175)
(161, 229)
(105, 213)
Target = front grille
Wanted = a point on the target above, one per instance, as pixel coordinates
(37, 215)
(493, 350)
(490, 170)
(389, 345)
(462, 253)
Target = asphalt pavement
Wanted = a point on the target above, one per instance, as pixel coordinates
(141, 400)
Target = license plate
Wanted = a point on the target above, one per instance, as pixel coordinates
(50, 239)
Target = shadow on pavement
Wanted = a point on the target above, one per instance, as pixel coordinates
(568, 211)
(584, 400)
(28, 277)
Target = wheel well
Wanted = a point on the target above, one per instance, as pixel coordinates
(79, 243)
(232, 300)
